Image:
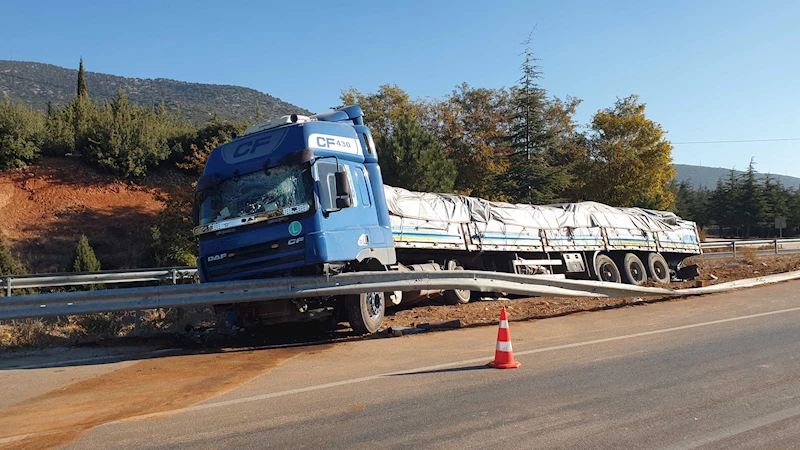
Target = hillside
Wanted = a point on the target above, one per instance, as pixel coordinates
(708, 176)
(47, 206)
(37, 83)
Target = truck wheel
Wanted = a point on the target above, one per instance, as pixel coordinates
(365, 311)
(456, 296)
(633, 271)
(605, 269)
(658, 268)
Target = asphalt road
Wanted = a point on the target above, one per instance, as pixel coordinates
(719, 371)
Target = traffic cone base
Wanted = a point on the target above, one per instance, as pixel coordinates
(504, 354)
(511, 365)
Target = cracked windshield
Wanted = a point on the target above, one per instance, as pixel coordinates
(257, 192)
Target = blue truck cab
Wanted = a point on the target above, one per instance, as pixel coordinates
(296, 196)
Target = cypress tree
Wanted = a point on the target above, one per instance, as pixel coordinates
(85, 260)
(83, 91)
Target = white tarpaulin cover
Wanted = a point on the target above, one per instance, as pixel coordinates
(425, 217)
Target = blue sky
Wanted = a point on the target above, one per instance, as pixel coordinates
(708, 71)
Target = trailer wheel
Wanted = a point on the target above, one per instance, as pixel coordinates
(658, 268)
(365, 311)
(456, 296)
(633, 271)
(605, 269)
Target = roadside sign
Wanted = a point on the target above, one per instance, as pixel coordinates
(780, 224)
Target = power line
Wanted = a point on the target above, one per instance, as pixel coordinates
(736, 142)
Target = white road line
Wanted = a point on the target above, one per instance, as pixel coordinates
(739, 428)
(450, 365)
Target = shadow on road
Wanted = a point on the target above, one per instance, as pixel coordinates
(454, 369)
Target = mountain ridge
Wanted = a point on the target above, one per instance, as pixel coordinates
(703, 176)
(36, 84)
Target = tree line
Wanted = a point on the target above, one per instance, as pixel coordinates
(741, 205)
(116, 136)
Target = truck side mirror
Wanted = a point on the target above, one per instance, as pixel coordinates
(344, 196)
(342, 186)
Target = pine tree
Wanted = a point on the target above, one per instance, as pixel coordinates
(412, 158)
(532, 176)
(529, 134)
(751, 202)
(85, 259)
(83, 91)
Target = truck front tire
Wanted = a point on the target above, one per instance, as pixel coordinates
(365, 311)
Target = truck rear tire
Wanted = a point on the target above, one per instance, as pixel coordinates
(365, 311)
(658, 268)
(633, 271)
(605, 269)
(456, 296)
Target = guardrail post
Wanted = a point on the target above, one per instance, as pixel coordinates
(137, 322)
(8, 286)
(776, 246)
(174, 276)
(733, 244)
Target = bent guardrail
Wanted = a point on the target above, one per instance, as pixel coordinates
(128, 299)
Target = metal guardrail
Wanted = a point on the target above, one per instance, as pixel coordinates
(173, 274)
(739, 243)
(188, 295)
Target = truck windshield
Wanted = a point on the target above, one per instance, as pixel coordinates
(258, 192)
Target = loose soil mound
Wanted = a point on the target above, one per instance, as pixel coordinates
(46, 207)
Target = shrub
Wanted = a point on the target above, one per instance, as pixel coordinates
(21, 132)
(8, 264)
(85, 259)
(172, 242)
(127, 139)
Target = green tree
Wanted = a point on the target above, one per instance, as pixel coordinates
(85, 259)
(59, 136)
(83, 91)
(128, 139)
(750, 201)
(204, 140)
(21, 134)
(629, 161)
(538, 171)
(412, 158)
(382, 109)
(83, 113)
(722, 207)
(472, 125)
(172, 242)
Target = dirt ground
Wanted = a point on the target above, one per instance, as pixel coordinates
(47, 206)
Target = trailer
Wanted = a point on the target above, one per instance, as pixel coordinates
(304, 195)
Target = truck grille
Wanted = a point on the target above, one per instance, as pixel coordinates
(256, 257)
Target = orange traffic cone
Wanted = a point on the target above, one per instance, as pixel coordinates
(504, 356)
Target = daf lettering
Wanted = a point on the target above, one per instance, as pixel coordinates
(217, 257)
(296, 240)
